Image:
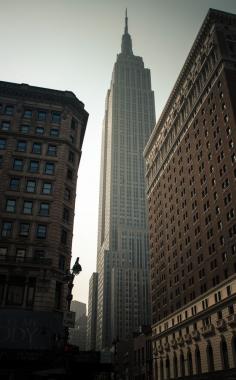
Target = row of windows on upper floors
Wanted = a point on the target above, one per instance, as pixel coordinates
(10, 229)
(40, 115)
(36, 148)
(26, 129)
(35, 166)
(34, 186)
(27, 207)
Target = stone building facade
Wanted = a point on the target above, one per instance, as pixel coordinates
(123, 251)
(41, 136)
(191, 174)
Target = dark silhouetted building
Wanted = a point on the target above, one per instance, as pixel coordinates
(41, 136)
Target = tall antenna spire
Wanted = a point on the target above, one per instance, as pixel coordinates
(126, 46)
(126, 22)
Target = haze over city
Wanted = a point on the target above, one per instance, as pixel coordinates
(72, 45)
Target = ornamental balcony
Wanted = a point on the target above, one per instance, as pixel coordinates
(173, 343)
(25, 261)
(195, 334)
(187, 338)
(231, 320)
(220, 324)
(159, 348)
(208, 330)
(166, 346)
(180, 340)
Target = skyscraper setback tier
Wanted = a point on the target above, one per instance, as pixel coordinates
(191, 176)
(123, 252)
(41, 136)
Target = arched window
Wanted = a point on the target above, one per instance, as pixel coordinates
(190, 363)
(210, 357)
(224, 353)
(175, 365)
(161, 370)
(198, 360)
(167, 367)
(181, 363)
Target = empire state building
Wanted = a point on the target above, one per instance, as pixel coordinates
(123, 295)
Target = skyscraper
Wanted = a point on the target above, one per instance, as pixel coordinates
(191, 173)
(41, 136)
(123, 252)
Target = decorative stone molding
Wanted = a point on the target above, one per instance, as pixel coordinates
(231, 320)
(220, 324)
(208, 330)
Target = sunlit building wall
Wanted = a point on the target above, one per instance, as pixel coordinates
(191, 177)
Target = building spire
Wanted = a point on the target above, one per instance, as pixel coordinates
(126, 46)
(126, 22)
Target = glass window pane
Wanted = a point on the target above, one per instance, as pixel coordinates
(34, 166)
(5, 126)
(18, 164)
(24, 128)
(21, 146)
(31, 186)
(2, 144)
(49, 168)
(47, 188)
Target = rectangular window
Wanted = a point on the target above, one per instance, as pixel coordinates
(24, 229)
(34, 166)
(66, 215)
(63, 237)
(3, 253)
(71, 157)
(27, 114)
(42, 115)
(49, 168)
(58, 294)
(6, 229)
(11, 205)
(3, 144)
(9, 110)
(56, 117)
(41, 231)
(21, 146)
(27, 207)
(44, 209)
(36, 148)
(30, 186)
(54, 132)
(18, 164)
(15, 291)
(47, 188)
(39, 254)
(39, 131)
(30, 292)
(52, 150)
(67, 194)
(20, 254)
(5, 126)
(69, 174)
(24, 129)
(62, 262)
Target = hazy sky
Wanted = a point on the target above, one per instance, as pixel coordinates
(72, 45)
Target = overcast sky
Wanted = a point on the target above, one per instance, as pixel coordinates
(72, 45)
